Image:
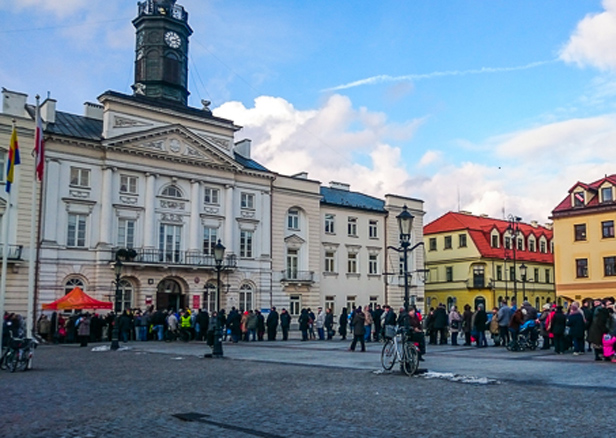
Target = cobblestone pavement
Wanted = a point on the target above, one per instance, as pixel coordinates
(272, 389)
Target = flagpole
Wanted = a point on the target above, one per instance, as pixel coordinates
(5, 252)
(33, 251)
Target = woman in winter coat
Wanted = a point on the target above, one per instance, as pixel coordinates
(455, 324)
(598, 328)
(467, 324)
(556, 327)
(83, 329)
(576, 324)
(342, 323)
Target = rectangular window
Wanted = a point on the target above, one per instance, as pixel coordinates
(330, 303)
(352, 226)
(80, 177)
(449, 273)
(170, 242)
(531, 245)
(211, 196)
(76, 235)
(580, 232)
(606, 194)
(547, 275)
(499, 273)
(581, 268)
(512, 276)
(494, 241)
(432, 243)
(507, 242)
(330, 261)
(462, 240)
(295, 305)
(373, 301)
(329, 223)
(292, 264)
(542, 247)
(607, 229)
(293, 219)
(247, 201)
(373, 229)
(128, 184)
(246, 244)
(578, 199)
(478, 277)
(447, 242)
(520, 244)
(352, 263)
(609, 266)
(351, 302)
(536, 275)
(210, 237)
(373, 264)
(126, 233)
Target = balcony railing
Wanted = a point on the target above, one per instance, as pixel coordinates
(14, 252)
(294, 276)
(171, 257)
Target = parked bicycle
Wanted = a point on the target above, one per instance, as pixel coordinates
(18, 354)
(399, 347)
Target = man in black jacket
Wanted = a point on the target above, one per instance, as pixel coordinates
(203, 319)
(285, 324)
(272, 324)
(376, 317)
(440, 324)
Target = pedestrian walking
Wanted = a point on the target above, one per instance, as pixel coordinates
(342, 324)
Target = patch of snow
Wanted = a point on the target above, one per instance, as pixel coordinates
(473, 380)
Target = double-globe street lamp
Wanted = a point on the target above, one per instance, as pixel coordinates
(405, 225)
(219, 255)
(523, 270)
(115, 333)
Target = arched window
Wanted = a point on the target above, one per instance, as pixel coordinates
(451, 301)
(126, 294)
(246, 296)
(500, 300)
(538, 303)
(480, 301)
(72, 283)
(172, 192)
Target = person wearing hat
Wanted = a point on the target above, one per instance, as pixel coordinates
(543, 324)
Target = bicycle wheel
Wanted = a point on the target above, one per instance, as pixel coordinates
(411, 359)
(388, 355)
(11, 361)
(22, 360)
(3, 360)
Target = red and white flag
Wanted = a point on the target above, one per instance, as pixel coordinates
(39, 147)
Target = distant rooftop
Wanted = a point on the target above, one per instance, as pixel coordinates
(346, 198)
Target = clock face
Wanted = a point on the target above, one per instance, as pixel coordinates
(173, 40)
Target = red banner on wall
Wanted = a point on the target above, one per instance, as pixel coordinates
(196, 301)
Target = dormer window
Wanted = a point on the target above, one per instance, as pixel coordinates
(606, 194)
(578, 199)
(495, 240)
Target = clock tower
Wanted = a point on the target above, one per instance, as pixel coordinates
(161, 52)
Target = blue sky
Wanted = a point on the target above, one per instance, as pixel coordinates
(491, 107)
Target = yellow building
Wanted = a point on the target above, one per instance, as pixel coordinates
(479, 260)
(585, 247)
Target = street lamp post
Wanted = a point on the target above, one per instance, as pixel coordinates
(523, 269)
(514, 229)
(115, 333)
(405, 225)
(219, 254)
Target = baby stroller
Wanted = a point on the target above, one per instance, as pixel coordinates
(527, 338)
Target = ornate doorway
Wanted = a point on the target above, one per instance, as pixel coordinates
(169, 295)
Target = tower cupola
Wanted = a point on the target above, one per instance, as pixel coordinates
(161, 52)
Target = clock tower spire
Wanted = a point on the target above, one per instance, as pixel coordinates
(161, 52)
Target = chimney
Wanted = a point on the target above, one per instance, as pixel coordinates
(93, 110)
(534, 224)
(242, 148)
(48, 110)
(301, 175)
(339, 186)
(13, 103)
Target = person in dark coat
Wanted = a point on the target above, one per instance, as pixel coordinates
(576, 324)
(467, 323)
(272, 324)
(285, 324)
(376, 317)
(304, 319)
(329, 324)
(557, 328)
(203, 319)
(124, 325)
(260, 325)
(598, 328)
(342, 323)
(359, 329)
(430, 326)
(481, 318)
(234, 321)
(440, 324)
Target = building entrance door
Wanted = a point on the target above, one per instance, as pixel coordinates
(169, 295)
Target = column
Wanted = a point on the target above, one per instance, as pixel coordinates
(195, 204)
(52, 200)
(229, 225)
(106, 219)
(149, 241)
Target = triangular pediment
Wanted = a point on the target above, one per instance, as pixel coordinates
(294, 241)
(173, 142)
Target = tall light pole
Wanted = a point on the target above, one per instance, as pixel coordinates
(115, 333)
(405, 225)
(523, 269)
(514, 229)
(219, 255)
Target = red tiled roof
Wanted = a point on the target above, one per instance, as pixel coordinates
(479, 229)
(565, 204)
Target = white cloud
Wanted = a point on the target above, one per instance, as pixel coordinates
(429, 158)
(61, 8)
(594, 39)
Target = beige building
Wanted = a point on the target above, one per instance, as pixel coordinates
(585, 246)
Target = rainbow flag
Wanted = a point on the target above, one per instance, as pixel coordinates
(13, 160)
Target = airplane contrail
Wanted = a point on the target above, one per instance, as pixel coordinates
(373, 80)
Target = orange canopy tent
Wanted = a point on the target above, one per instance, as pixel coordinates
(77, 299)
